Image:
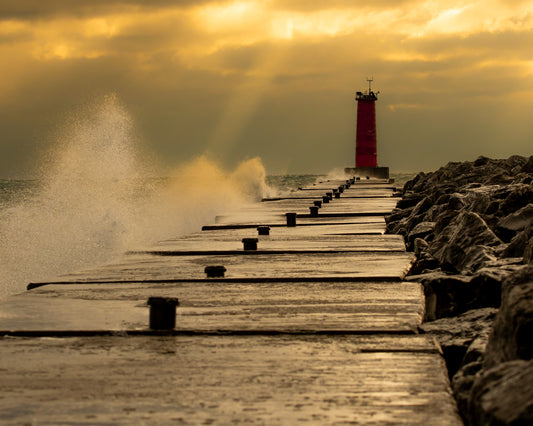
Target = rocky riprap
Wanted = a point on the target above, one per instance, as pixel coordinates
(470, 225)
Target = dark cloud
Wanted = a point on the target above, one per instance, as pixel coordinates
(147, 38)
(44, 9)
(498, 44)
(313, 5)
(18, 37)
(514, 3)
(172, 109)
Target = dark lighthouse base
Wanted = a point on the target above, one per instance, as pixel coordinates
(371, 172)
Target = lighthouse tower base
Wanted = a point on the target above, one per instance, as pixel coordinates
(368, 172)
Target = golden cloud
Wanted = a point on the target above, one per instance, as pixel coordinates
(223, 61)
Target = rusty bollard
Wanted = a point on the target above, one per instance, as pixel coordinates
(317, 203)
(291, 219)
(263, 230)
(249, 243)
(162, 312)
(325, 199)
(313, 210)
(215, 271)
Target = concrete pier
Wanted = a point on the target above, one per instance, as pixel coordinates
(314, 325)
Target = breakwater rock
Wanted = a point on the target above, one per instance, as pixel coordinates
(470, 225)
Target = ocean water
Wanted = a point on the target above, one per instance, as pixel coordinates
(56, 225)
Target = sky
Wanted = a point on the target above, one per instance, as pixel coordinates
(274, 79)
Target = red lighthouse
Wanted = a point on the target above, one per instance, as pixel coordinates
(366, 154)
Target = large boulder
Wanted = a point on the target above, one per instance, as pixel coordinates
(502, 395)
(424, 263)
(528, 251)
(409, 200)
(478, 199)
(518, 220)
(513, 327)
(463, 380)
(441, 291)
(519, 243)
(461, 334)
(449, 295)
(513, 197)
(399, 223)
(465, 243)
(515, 163)
(528, 166)
(421, 230)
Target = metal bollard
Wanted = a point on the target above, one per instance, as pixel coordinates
(263, 230)
(341, 189)
(329, 195)
(325, 199)
(317, 203)
(249, 243)
(337, 195)
(313, 210)
(291, 219)
(162, 312)
(215, 271)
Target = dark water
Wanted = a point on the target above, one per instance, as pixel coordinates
(15, 191)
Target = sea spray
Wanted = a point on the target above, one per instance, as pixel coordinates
(192, 197)
(95, 200)
(336, 174)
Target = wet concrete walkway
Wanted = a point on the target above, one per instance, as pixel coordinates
(315, 325)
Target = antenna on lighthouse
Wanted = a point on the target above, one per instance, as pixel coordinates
(370, 80)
